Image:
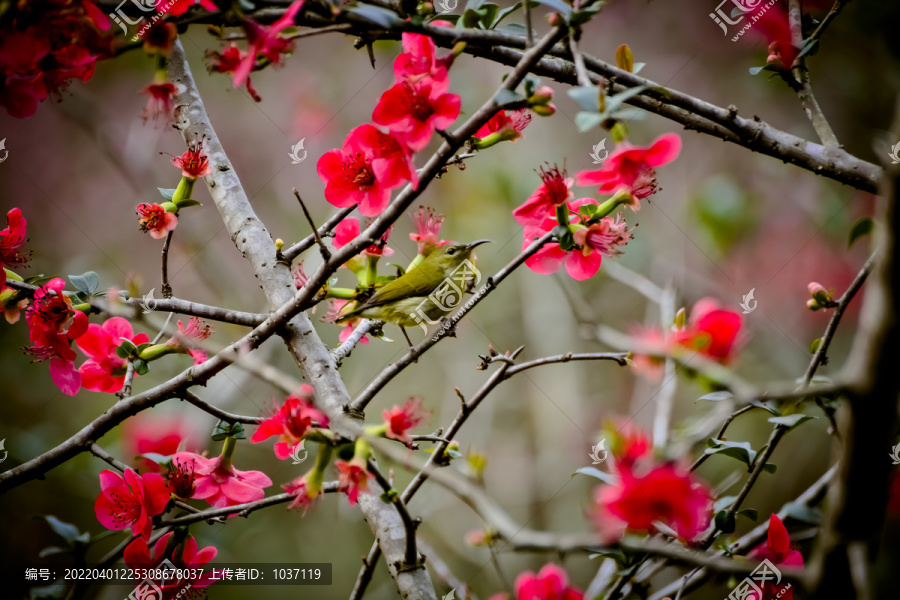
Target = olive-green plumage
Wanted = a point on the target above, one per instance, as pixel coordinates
(398, 300)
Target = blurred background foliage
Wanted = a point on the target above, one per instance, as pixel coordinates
(725, 221)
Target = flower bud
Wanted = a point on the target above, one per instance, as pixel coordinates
(821, 298)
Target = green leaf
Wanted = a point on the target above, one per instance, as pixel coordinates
(586, 96)
(506, 12)
(187, 202)
(791, 421)
(223, 430)
(725, 521)
(585, 121)
(516, 29)
(767, 407)
(749, 513)
(167, 193)
(758, 70)
(585, 14)
(814, 345)
(617, 555)
(862, 227)
(126, 348)
(738, 450)
(51, 550)
(597, 473)
(66, 531)
(375, 14)
(723, 503)
(159, 459)
(809, 48)
(389, 496)
(559, 6)
(87, 283)
(141, 367)
(614, 102)
(802, 512)
(624, 58)
(505, 97)
(716, 396)
(770, 467)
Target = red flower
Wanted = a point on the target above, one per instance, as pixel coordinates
(711, 330)
(299, 488)
(400, 420)
(228, 61)
(581, 262)
(185, 556)
(193, 163)
(179, 7)
(11, 241)
(44, 45)
(154, 219)
(348, 230)
(188, 338)
(550, 583)
(353, 479)
(555, 190)
(104, 371)
(427, 223)
(291, 423)
(778, 551)
(509, 123)
(628, 444)
(143, 434)
(632, 168)
(663, 494)
(159, 105)
(365, 170)
(419, 59)
(604, 237)
(266, 41)
(219, 483)
(49, 312)
(131, 501)
(413, 110)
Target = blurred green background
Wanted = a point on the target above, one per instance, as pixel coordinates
(725, 221)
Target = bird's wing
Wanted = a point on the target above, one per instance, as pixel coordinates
(405, 286)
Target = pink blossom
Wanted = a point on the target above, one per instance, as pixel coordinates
(219, 483)
(400, 420)
(414, 110)
(131, 501)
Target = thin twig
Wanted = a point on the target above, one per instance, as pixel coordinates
(166, 288)
(819, 357)
(412, 555)
(326, 253)
(125, 392)
(362, 328)
(176, 305)
(803, 86)
(309, 241)
(218, 412)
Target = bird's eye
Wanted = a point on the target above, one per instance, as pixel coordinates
(451, 251)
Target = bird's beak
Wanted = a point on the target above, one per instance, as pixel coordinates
(478, 243)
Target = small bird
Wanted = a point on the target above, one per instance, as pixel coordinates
(401, 300)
